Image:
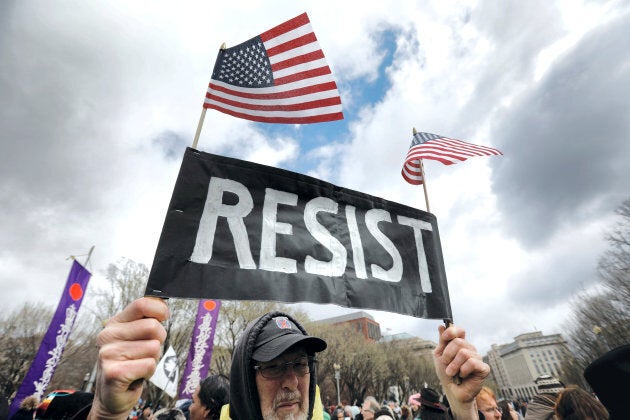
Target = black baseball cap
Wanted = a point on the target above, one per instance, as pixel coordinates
(278, 335)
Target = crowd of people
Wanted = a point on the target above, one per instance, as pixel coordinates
(273, 376)
(570, 403)
(426, 405)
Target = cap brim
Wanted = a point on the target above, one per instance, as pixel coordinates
(279, 345)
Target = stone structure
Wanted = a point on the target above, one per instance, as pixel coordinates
(515, 366)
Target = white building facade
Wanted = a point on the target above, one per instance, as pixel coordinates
(515, 366)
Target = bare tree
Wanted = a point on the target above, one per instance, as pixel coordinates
(360, 362)
(235, 315)
(600, 320)
(614, 266)
(127, 280)
(21, 332)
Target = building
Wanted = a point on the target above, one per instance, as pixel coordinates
(517, 365)
(418, 346)
(360, 321)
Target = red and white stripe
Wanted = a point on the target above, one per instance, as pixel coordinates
(304, 88)
(443, 149)
(412, 172)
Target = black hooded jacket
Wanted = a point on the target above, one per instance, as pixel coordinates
(244, 401)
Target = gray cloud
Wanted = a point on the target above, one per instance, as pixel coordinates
(171, 145)
(566, 143)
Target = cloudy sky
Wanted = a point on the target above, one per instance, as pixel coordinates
(98, 101)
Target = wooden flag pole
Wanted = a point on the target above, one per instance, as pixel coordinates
(424, 178)
(424, 186)
(202, 117)
(447, 321)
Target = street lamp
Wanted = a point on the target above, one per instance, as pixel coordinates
(406, 383)
(337, 368)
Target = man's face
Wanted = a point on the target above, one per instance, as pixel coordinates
(197, 410)
(284, 397)
(368, 413)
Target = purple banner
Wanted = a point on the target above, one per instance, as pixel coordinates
(54, 342)
(201, 344)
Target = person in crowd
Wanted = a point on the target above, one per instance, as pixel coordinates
(209, 396)
(273, 365)
(347, 412)
(273, 370)
(430, 407)
(520, 406)
(574, 403)
(487, 404)
(507, 410)
(395, 409)
(384, 413)
(184, 406)
(74, 405)
(414, 404)
(608, 376)
(541, 407)
(338, 414)
(145, 413)
(405, 412)
(369, 408)
(326, 415)
(27, 408)
(168, 414)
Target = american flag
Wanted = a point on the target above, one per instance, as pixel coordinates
(280, 76)
(440, 148)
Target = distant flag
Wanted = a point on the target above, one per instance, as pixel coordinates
(166, 373)
(280, 76)
(201, 346)
(51, 348)
(440, 148)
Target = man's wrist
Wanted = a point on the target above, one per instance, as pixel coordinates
(99, 413)
(464, 411)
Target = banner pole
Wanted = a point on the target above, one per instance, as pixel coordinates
(88, 257)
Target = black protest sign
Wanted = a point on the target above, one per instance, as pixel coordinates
(241, 231)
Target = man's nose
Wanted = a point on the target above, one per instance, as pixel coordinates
(289, 378)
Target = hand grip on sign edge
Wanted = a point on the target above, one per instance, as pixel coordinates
(457, 380)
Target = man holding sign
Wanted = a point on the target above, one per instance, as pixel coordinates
(281, 383)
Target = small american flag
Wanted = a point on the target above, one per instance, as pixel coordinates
(280, 76)
(440, 148)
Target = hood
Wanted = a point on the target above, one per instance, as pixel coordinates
(539, 411)
(244, 401)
